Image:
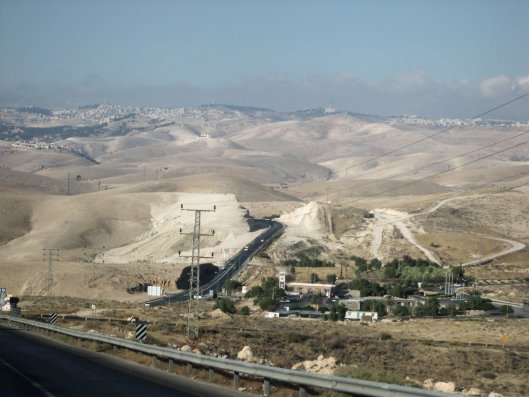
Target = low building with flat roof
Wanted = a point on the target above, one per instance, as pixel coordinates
(312, 288)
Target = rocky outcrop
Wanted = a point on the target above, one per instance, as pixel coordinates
(217, 313)
(246, 354)
(321, 365)
(445, 387)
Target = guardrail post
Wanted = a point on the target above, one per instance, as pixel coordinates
(211, 375)
(171, 363)
(302, 392)
(236, 380)
(189, 368)
(154, 359)
(266, 387)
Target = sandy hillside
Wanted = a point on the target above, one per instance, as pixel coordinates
(271, 164)
(162, 241)
(246, 190)
(136, 232)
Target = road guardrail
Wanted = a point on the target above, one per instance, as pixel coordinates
(302, 380)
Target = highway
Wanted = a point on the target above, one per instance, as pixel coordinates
(33, 366)
(232, 267)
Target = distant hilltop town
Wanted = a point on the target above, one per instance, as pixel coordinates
(107, 113)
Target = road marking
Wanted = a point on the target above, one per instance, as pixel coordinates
(27, 379)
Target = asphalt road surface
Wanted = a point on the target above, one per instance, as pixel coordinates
(231, 267)
(31, 365)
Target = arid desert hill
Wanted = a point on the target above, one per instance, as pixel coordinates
(128, 169)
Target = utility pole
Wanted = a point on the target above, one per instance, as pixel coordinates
(92, 258)
(194, 276)
(51, 255)
(68, 189)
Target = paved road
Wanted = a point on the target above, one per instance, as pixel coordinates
(31, 365)
(232, 267)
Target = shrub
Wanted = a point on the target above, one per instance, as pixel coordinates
(373, 374)
(488, 375)
(226, 305)
(337, 342)
(400, 311)
(293, 337)
(232, 285)
(245, 311)
(506, 309)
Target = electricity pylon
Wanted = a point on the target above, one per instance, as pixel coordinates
(194, 276)
(51, 255)
(92, 259)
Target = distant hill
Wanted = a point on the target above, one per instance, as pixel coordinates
(18, 181)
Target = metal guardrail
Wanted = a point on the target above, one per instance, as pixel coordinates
(303, 380)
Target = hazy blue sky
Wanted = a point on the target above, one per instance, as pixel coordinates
(434, 58)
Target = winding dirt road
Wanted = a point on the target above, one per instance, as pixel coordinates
(387, 217)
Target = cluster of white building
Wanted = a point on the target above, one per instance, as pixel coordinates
(446, 122)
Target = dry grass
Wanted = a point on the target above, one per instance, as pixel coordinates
(457, 247)
(284, 342)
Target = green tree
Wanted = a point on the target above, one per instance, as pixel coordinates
(360, 263)
(331, 278)
(226, 305)
(432, 306)
(341, 309)
(391, 270)
(400, 311)
(374, 264)
(232, 285)
(267, 303)
(268, 294)
(338, 312)
(400, 290)
(314, 278)
(375, 306)
(429, 308)
(458, 272)
(451, 310)
(474, 300)
(255, 292)
(367, 288)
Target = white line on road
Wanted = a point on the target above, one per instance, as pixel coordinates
(27, 379)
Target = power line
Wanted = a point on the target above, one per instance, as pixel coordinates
(441, 172)
(428, 165)
(425, 138)
(434, 134)
(427, 177)
(466, 198)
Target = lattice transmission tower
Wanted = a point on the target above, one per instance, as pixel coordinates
(51, 255)
(193, 307)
